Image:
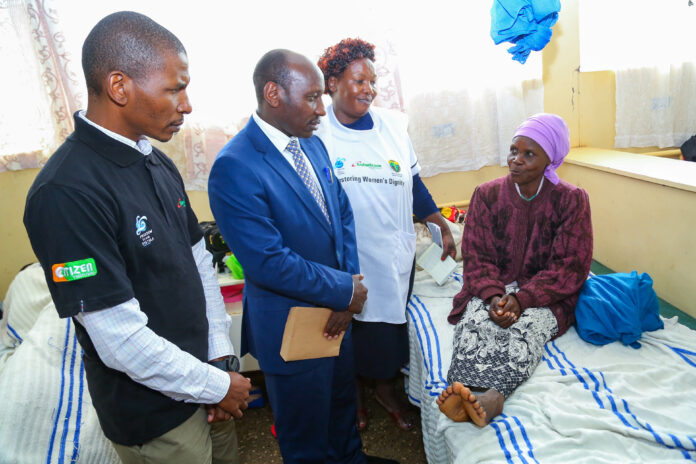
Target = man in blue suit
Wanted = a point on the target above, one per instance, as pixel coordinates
(290, 224)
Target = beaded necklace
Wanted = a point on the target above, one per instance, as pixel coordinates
(533, 196)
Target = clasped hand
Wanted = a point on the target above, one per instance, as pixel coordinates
(234, 401)
(504, 310)
(340, 320)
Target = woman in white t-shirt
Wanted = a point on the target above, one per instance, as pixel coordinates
(373, 158)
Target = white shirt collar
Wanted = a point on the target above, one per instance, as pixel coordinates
(277, 138)
(143, 145)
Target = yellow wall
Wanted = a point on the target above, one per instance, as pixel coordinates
(200, 204)
(15, 250)
(561, 61)
(643, 226)
(585, 100)
(597, 100)
(455, 188)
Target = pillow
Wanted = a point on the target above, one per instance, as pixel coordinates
(27, 295)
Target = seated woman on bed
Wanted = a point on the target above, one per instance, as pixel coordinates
(527, 248)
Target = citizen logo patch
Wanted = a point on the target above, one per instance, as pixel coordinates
(74, 270)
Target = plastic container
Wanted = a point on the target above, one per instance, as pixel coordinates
(235, 267)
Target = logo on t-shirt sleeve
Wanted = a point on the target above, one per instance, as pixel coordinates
(74, 270)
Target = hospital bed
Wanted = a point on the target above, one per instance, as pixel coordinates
(583, 404)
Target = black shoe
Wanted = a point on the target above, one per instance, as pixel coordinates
(378, 460)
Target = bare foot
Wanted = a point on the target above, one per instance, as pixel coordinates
(485, 407)
(451, 402)
(400, 412)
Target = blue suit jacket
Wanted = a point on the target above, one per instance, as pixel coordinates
(290, 254)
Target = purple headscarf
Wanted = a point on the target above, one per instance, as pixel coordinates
(551, 133)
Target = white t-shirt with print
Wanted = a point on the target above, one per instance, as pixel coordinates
(376, 169)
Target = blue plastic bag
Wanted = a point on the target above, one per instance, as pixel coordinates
(617, 307)
(526, 23)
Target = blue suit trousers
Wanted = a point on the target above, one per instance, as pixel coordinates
(314, 412)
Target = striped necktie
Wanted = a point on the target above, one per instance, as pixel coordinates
(303, 171)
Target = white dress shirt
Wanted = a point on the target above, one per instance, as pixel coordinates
(281, 141)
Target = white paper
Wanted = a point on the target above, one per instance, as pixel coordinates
(435, 232)
(430, 261)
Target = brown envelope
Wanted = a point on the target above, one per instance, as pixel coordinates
(304, 335)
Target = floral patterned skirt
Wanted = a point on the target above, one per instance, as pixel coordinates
(487, 356)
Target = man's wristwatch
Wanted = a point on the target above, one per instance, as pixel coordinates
(228, 363)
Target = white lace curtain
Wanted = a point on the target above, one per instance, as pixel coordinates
(436, 61)
(650, 47)
(465, 96)
(655, 106)
(38, 89)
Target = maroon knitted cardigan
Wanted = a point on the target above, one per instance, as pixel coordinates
(544, 244)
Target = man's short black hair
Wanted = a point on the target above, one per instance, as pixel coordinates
(125, 41)
(272, 67)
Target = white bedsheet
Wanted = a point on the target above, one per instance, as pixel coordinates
(46, 413)
(584, 403)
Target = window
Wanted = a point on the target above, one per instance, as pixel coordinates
(622, 34)
(649, 45)
(25, 122)
(436, 61)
